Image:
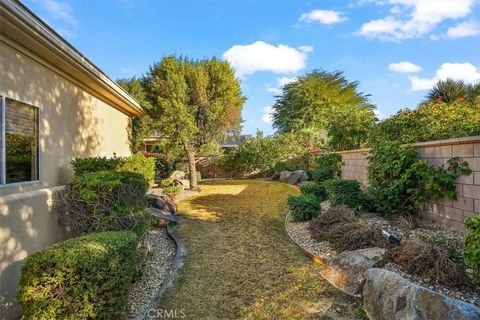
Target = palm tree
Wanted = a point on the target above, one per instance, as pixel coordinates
(452, 90)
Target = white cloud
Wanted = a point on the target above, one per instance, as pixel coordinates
(414, 18)
(59, 11)
(465, 29)
(267, 114)
(404, 67)
(261, 56)
(274, 90)
(323, 16)
(457, 71)
(281, 82)
(306, 49)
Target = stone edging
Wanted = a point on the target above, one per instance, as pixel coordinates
(385, 294)
(177, 263)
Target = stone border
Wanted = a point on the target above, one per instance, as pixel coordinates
(177, 264)
(386, 294)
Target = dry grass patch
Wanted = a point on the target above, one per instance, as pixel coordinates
(240, 263)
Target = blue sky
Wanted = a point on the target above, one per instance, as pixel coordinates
(396, 49)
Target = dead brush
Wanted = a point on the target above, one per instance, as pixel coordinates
(319, 226)
(343, 231)
(431, 262)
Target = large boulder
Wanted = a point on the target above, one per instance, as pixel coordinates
(347, 270)
(293, 179)
(387, 295)
(301, 174)
(284, 176)
(276, 176)
(177, 175)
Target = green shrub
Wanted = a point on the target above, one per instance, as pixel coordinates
(346, 192)
(316, 190)
(175, 190)
(80, 278)
(304, 207)
(140, 164)
(321, 174)
(96, 164)
(472, 246)
(331, 161)
(430, 121)
(164, 183)
(398, 180)
(104, 201)
(164, 166)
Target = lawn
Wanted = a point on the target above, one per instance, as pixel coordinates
(240, 263)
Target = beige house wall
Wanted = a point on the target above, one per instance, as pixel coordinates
(449, 213)
(73, 123)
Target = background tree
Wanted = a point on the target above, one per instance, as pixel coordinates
(193, 103)
(452, 90)
(139, 126)
(324, 101)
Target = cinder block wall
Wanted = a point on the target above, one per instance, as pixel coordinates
(449, 213)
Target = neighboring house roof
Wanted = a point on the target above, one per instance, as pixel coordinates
(20, 26)
(235, 141)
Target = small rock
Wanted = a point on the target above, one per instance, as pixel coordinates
(284, 175)
(276, 176)
(302, 174)
(177, 175)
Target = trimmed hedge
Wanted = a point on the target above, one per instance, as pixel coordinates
(104, 201)
(137, 163)
(316, 190)
(346, 192)
(96, 164)
(81, 278)
(304, 207)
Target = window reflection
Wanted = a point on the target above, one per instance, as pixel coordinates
(21, 142)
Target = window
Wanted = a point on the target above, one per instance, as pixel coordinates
(19, 142)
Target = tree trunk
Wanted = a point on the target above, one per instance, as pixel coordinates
(191, 167)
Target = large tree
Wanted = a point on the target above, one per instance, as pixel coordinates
(139, 126)
(193, 103)
(327, 102)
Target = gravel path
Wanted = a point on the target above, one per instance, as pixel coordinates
(157, 268)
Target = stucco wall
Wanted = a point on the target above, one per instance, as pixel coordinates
(449, 213)
(73, 123)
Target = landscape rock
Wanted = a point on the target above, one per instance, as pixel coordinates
(276, 176)
(302, 174)
(293, 179)
(387, 295)
(284, 175)
(177, 175)
(184, 182)
(347, 270)
(161, 202)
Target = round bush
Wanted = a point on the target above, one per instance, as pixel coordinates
(304, 207)
(344, 192)
(316, 190)
(81, 278)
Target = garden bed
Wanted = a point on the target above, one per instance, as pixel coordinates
(158, 265)
(325, 252)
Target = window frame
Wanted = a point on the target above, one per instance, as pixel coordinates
(3, 151)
